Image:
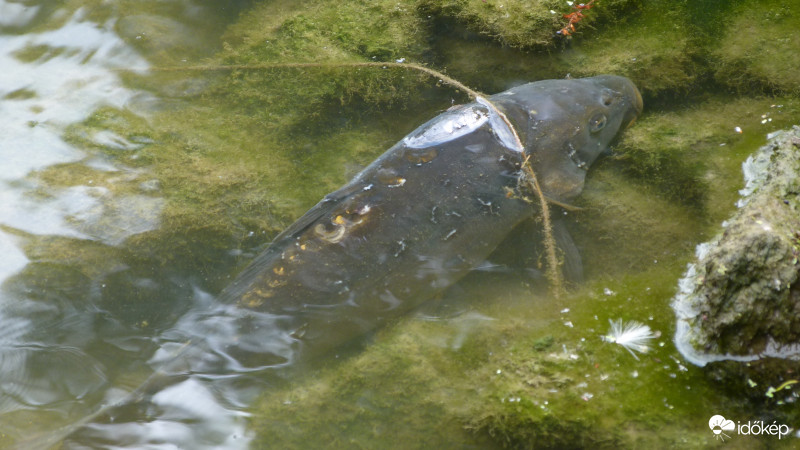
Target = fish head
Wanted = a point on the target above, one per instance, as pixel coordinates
(565, 125)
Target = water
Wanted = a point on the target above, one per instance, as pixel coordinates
(130, 195)
(71, 75)
(66, 193)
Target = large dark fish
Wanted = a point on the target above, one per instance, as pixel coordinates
(415, 221)
(430, 209)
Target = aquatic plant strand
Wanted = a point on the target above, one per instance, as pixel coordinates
(553, 274)
(528, 177)
(444, 78)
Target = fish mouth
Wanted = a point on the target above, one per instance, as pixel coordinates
(638, 107)
(638, 104)
(632, 103)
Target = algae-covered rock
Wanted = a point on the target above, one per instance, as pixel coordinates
(740, 299)
(520, 23)
(754, 51)
(654, 48)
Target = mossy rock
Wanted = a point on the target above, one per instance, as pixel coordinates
(515, 23)
(755, 50)
(739, 298)
(653, 48)
(329, 31)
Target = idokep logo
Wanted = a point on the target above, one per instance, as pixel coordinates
(719, 425)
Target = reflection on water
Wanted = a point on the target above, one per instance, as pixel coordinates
(16, 14)
(60, 66)
(231, 355)
(52, 79)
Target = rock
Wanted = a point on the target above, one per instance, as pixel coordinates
(739, 301)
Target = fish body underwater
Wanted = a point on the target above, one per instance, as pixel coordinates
(430, 209)
(425, 213)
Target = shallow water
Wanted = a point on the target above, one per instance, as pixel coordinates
(70, 75)
(103, 282)
(69, 326)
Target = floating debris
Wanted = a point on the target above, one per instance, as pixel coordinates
(771, 391)
(632, 335)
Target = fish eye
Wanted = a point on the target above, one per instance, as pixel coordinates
(597, 122)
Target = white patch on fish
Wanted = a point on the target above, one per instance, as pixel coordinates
(501, 128)
(450, 125)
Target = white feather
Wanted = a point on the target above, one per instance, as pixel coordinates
(633, 335)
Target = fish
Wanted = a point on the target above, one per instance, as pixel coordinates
(419, 218)
(430, 209)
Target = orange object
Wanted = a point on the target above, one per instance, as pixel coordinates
(574, 17)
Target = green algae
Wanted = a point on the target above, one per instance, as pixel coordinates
(678, 152)
(327, 31)
(636, 48)
(516, 371)
(680, 164)
(754, 54)
(523, 24)
(521, 379)
(20, 94)
(512, 23)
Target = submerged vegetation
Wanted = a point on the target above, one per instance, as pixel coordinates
(236, 155)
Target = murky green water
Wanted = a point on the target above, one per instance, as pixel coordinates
(134, 187)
